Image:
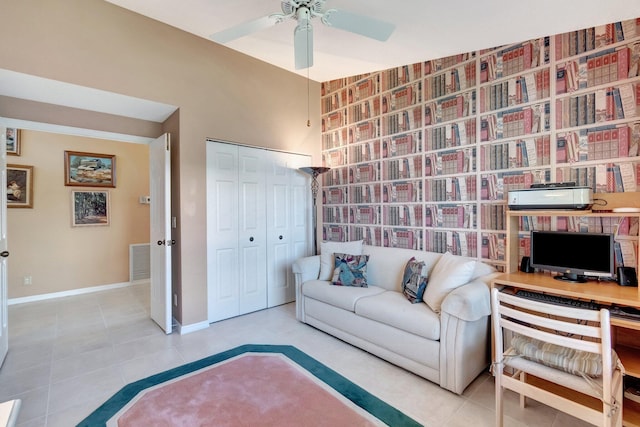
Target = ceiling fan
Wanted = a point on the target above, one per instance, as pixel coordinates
(303, 11)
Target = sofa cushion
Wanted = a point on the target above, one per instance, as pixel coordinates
(393, 309)
(344, 297)
(450, 272)
(350, 270)
(327, 251)
(414, 281)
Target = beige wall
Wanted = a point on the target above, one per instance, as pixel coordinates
(221, 94)
(42, 242)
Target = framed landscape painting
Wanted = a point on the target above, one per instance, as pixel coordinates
(13, 141)
(19, 186)
(89, 208)
(89, 169)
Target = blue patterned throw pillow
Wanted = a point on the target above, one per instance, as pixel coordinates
(350, 270)
(413, 282)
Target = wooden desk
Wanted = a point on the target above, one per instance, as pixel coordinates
(626, 333)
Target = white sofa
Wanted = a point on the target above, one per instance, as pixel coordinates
(449, 347)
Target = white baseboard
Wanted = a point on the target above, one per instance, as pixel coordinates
(81, 291)
(187, 329)
(180, 329)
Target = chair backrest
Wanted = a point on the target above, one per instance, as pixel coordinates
(559, 344)
(566, 326)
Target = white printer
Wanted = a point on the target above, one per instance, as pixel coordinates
(551, 196)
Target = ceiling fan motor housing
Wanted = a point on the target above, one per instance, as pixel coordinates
(290, 7)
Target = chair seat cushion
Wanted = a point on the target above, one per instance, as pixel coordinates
(557, 376)
(576, 362)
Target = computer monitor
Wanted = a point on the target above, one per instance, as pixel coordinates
(575, 255)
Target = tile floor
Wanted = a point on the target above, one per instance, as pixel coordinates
(68, 355)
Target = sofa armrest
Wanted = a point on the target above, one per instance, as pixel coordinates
(464, 334)
(304, 269)
(469, 302)
(307, 268)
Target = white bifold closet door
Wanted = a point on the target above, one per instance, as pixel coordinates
(258, 210)
(288, 226)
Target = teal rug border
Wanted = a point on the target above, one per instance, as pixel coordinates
(359, 396)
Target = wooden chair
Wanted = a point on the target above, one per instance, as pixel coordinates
(553, 352)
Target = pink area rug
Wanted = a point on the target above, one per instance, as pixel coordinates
(250, 385)
(251, 390)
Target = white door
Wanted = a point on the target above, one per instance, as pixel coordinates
(301, 219)
(278, 226)
(288, 222)
(252, 236)
(222, 231)
(4, 318)
(236, 239)
(160, 192)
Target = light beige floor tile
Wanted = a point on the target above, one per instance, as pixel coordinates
(151, 364)
(133, 331)
(193, 347)
(68, 356)
(483, 393)
(471, 414)
(38, 422)
(75, 413)
(564, 420)
(26, 356)
(74, 327)
(13, 383)
(141, 347)
(82, 389)
(81, 364)
(81, 343)
(34, 333)
(34, 405)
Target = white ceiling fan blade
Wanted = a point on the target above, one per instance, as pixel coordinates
(358, 24)
(245, 29)
(303, 45)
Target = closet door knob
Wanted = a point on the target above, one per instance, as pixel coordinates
(280, 237)
(251, 239)
(4, 254)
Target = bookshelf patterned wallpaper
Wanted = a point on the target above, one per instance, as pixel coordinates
(422, 156)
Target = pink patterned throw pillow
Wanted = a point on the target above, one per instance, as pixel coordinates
(350, 270)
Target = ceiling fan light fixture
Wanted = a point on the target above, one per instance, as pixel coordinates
(304, 16)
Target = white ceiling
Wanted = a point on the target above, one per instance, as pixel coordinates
(33, 88)
(39, 89)
(424, 29)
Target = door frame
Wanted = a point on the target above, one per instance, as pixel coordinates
(4, 285)
(65, 130)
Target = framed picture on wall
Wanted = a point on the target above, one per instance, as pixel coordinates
(89, 208)
(89, 169)
(19, 186)
(13, 141)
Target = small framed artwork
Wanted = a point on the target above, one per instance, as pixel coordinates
(89, 208)
(89, 169)
(19, 186)
(13, 141)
